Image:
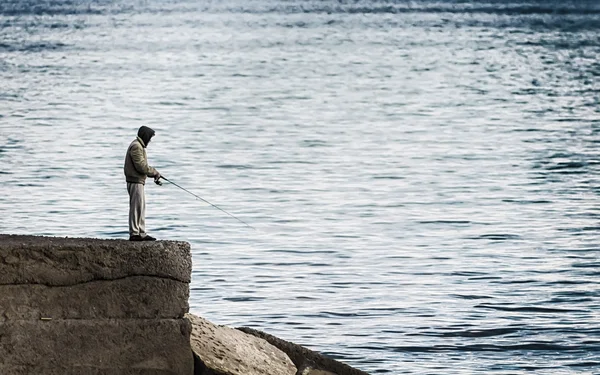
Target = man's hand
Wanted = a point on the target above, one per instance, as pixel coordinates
(157, 178)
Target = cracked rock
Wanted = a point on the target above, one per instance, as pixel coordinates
(223, 350)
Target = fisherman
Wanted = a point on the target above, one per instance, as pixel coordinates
(136, 170)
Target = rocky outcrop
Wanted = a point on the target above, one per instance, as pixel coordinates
(89, 306)
(311, 371)
(307, 361)
(221, 350)
(113, 307)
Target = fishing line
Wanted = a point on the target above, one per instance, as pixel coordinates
(204, 200)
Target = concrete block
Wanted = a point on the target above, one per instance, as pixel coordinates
(68, 261)
(132, 297)
(120, 346)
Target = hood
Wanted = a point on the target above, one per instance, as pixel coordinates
(145, 134)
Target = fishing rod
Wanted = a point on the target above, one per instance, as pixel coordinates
(202, 199)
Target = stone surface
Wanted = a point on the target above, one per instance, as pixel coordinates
(222, 350)
(121, 346)
(303, 357)
(132, 297)
(90, 306)
(312, 371)
(82, 370)
(69, 261)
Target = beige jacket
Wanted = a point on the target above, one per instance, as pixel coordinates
(136, 163)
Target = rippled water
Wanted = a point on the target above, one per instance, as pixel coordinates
(422, 176)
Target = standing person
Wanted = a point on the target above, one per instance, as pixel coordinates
(136, 170)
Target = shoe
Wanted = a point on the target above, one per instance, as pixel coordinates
(148, 238)
(136, 237)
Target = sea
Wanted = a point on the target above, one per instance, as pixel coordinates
(410, 187)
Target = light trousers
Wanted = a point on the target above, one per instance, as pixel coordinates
(137, 209)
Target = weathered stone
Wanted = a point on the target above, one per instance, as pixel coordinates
(112, 307)
(312, 371)
(89, 306)
(303, 357)
(222, 350)
(70, 261)
(132, 297)
(81, 370)
(122, 346)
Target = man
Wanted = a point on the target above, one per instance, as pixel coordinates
(136, 170)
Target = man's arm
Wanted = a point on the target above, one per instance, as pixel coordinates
(140, 163)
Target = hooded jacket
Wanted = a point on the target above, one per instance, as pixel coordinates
(136, 167)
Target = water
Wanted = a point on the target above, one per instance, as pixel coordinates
(422, 175)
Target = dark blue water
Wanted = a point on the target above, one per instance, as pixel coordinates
(422, 175)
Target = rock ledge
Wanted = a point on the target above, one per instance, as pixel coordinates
(114, 307)
(90, 306)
